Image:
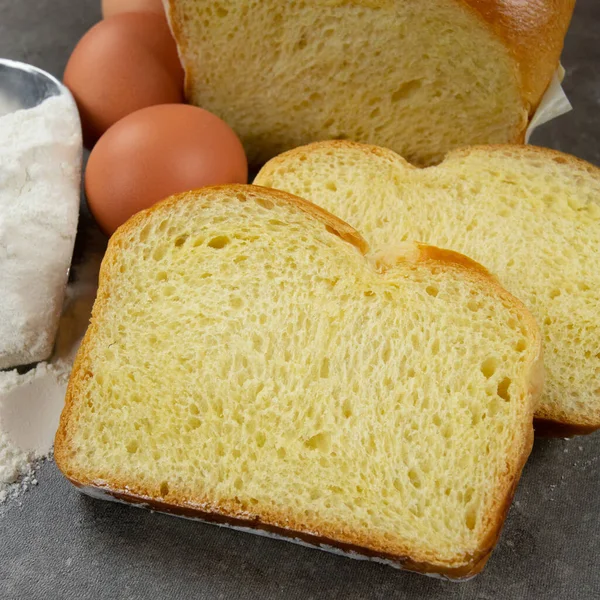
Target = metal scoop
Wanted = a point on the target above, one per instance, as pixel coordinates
(23, 86)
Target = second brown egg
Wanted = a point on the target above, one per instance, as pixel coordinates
(156, 152)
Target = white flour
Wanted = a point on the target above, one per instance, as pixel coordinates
(40, 170)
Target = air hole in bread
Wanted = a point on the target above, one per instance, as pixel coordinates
(145, 232)
(471, 518)
(194, 423)
(180, 241)
(414, 478)
(266, 204)
(321, 441)
(489, 366)
(347, 408)
(324, 372)
(219, 242)
(503, 389)
(406, 90)
(521, 345)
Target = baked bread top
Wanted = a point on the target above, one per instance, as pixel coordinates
(420, 77)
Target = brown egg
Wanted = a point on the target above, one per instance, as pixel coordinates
(122, 64)
(156, 152)
(114, 7)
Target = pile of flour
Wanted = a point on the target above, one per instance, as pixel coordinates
(40, 176)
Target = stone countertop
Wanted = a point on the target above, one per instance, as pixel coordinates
(58, 544)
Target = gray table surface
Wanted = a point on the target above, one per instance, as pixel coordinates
(57, 544)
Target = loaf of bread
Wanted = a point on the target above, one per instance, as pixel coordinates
(247, 364)
(530, 215)
(418, 76)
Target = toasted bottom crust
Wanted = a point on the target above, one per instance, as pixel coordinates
(256, 526)
(556, 429)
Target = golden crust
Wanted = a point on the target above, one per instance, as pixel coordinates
(266, 518)
(534, 33)
(330, 146)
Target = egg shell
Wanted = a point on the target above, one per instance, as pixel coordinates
(115, 7)
(156, 152)
(122, 64)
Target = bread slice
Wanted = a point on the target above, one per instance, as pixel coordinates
(246, 363)
(418, 77)
(530, 215)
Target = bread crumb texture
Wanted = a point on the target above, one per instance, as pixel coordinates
(417, 77)
(531, 216)
(243, 359)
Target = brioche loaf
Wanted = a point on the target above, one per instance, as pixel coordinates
(246, 363)
(532, 216)
(417, 76)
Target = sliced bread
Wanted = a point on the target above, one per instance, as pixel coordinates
(530, 215)
(247, 364)
(418, 77)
